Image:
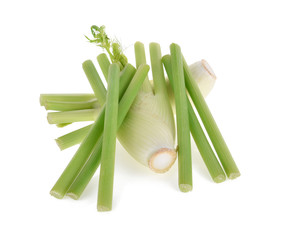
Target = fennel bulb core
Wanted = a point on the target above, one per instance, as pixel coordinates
(162, 160)
(204, 75)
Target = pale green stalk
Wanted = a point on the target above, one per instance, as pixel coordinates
(73, 138)
(183, 130)
(140, 58)
(66, 97)
(210, 125)
(73, 168)
(93, 160)
(73, 116)
(105, 190)
(70, 106)
(160, 86)
(95, 81)
(77, 136)
(87, 146)
(200, 139)
(104, 64)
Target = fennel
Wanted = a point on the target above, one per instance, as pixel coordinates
(183, 128)
(141, 114)
(201, 73)
(200, 139)
(89, 168)
(85, 153)
(105, 190)
(151, 109)
(212, 129)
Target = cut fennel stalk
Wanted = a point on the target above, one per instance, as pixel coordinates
(143, 116)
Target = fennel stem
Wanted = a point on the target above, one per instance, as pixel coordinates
(183, 128)
(65, 97)
(95, 81)
(73, 116)
(140, 58)
(89, 168)
(161, 94)
(199, 137)
(104, 64)
(73, 138)
(210, 125)
(105, 191)
(77, 136)
(70, 106)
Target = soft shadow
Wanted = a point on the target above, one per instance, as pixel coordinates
(90, 193)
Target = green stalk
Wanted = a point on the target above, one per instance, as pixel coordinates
(210, 125)
(140, 58)
(93, 161)
(77, 136)
(95, 81)
(73, 116)
(160, 83)
(184, 147)
(66, 97)
(104, 64)
(73, 138)
(73, 168)
(70, 106)
(200, 139)
(87, 146)
(157, 69)
(105, 191)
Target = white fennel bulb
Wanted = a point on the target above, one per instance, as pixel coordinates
(148, 131)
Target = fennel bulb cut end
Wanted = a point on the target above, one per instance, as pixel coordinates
(56, 194)
(208, 68)
(185, 187)
(162, 160)
(204, 75)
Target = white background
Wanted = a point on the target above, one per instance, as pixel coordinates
(41, 51)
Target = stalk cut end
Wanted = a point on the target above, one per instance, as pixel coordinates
(59, 144)
(103, 208)
(72, 195)
(56, 194)
(234, 175)
(162, 160)
(219, 178)
(185, 187)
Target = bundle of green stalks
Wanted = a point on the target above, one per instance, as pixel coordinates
(140, 114)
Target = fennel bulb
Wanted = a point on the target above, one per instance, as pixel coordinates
(148, 131)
